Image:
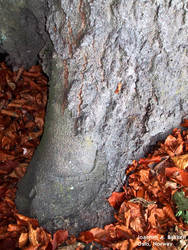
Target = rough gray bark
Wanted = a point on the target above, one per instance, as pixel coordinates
(22, 31)
(141, 45)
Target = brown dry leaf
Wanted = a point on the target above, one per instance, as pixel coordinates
(33, 236)
(145, 176)
(98, 235)
(122, 232)
(15, 228)
(86, 237)
(181, 161)
(159, 167)
(23, 239)
(59, 237)
(185, 123)
(19, 172)
(101, 236)
(184, 176)
(131, 215)
(122, 245)
(44, 239)
(138, 225)
(71, 240)
(150, 160)
(116, 199)
(178, 175)
(137, 221)
(173, 146)
(171, 184)
(160, 218)
(24, 220)
(131, 168)
(169, 212)
(7, 167)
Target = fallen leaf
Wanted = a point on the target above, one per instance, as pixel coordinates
(116, 199)
(86, 237)
(177, 174)
(169, 212)
(33, 236)
(172, 146)
(23, 239)
(150, 160)
(185, 123)
(171, 184)
(59, 237)
(181, 161)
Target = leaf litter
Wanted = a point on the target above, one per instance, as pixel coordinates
(151, 212)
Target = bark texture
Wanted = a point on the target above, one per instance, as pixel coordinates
(118, 84)
(22, 31)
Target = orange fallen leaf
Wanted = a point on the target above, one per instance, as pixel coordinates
(59, 238)
(15, 228)
(177, 174)
(150, 160)
(181, 161)
(23, 239)
(86, 237)
(169, 212)
(116, 199)
(33, 236)
(173, 146)
(184, 123)
(101, 236)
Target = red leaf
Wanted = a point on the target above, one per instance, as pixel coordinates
(86, 237)
(116, 199)
(178, 174)
(150, 160)
(59, 237)
(185, 123)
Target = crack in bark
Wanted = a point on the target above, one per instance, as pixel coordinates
(66, 85)
(79, 118)
(145, 119)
